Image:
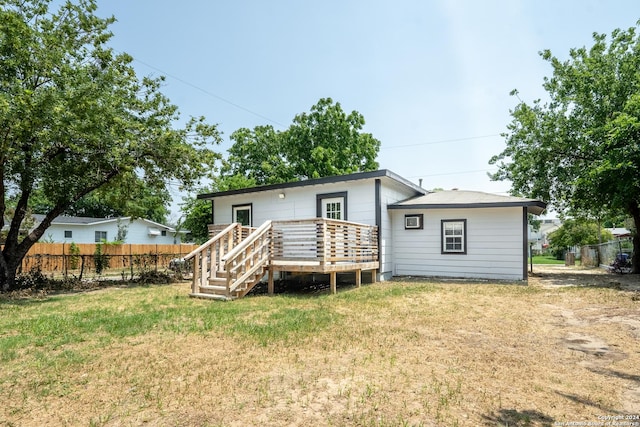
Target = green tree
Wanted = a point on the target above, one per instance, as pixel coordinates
(197, 217)
(139, 201)
(324, 142)
(257, 155)
(327, 141)
(75, 119)
(197, 213)
(577, 232)
(580, 150)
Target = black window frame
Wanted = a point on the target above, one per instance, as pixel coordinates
(68, 234)
(443, 241)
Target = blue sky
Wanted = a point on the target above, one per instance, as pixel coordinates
(431, 77)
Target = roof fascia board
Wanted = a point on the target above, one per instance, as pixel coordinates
(318, 181)
(538, 204)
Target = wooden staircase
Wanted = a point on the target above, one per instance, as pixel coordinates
(236, 258)
(232, 262)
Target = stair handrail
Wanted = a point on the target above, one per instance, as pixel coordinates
(257, 234)
(211, 241)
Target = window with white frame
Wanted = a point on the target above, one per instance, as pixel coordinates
(242, 214)
(333, 208)
(332, 205)
(454, 236)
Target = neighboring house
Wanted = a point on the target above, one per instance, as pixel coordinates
(446, 233)
(94, 230)
(540, 239)
(619, 233)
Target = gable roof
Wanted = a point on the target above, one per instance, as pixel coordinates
(456, 199)
(88, 221)
(383, 173)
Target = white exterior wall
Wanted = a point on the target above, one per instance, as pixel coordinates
(388, 195)
(494, 244)
(137, 233)
(299, 203)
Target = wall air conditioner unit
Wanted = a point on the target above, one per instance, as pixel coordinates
(413, 221)
(154, 231)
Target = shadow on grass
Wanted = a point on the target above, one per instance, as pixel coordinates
(588, 402)
(588, 278)
(617, 374)
(512, 417)
(49, 291)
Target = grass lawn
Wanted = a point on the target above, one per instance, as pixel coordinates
(546, 259)
(387, 354)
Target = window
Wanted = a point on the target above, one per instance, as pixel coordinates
(413, 221)
(332, 208)
(332, 205)
(242, 214)
(454, 236)
(68, 234)
(101, 236)
(163, 232)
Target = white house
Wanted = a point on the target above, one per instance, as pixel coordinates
(539, 239)
(447, 233)
(94, 230)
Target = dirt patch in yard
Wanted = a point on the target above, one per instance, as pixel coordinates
(563, 349)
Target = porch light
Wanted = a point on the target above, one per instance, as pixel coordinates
(281, 195)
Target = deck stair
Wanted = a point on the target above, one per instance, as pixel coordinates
(229, 265)
(236, 258)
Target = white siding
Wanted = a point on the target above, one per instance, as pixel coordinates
(494, 244)
(300, 203)
(137, 232)
(388, 196)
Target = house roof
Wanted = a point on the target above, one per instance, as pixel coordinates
(456, 199)
(619, 232)
(81, 220)
(383, 173)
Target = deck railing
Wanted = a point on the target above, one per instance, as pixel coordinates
(207, 258)
(232, 261)
(245, 263)
(324, 241)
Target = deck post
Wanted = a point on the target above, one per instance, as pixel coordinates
(196, 273)
(374, 276)
(333, 281)
(358, 278)
(270, 285)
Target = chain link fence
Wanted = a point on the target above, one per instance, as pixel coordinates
(604, 254)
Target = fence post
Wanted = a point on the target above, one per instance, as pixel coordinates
(64, 262)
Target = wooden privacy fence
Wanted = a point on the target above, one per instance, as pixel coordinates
(62, 259)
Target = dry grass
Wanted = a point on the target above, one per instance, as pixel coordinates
(389, 354)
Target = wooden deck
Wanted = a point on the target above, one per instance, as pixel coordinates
(236, 258)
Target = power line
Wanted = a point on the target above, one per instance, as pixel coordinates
(443, 141)
(451, 173)
(218, 97)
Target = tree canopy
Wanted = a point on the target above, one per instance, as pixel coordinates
(577, 232)
(580, 150)
(75, 119)
(324, 142)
